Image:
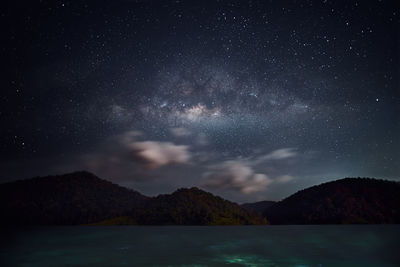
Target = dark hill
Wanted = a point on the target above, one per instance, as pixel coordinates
(196, 207)
(260, 207)
(75, 198)
(83, 198)
(349, 200)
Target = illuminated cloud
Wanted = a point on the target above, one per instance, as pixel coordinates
(122, 156)
(153, 154)
(237, 176)
(279, 154)
(282, 153)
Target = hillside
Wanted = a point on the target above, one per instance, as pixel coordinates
(196, 207)
(349, 200)
(75, 198)
(83, 198)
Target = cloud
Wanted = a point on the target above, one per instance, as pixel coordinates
(282, 153)
(127, 157)
(241, 174)
(283, 179)
(236, 175)
(153, 154)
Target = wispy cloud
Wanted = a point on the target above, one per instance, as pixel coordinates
(283, 179)
(129, 156)
(279, 154)
(236, 175)
(241, 174)
(153, 154)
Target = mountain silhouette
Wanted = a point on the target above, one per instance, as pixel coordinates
(75, 198)
(260, 206)
(345, 201)
(195, 207)
(83, 198)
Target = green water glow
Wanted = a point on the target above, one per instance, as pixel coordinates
(349, 245)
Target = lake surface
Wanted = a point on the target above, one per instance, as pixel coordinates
(344, 245)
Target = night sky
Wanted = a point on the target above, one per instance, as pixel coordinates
(250, 100)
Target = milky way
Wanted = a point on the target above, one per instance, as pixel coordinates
(250, 100)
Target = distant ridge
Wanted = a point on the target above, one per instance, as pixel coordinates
(260, 206)
(83, 198)
(345, 201)
(196, 207)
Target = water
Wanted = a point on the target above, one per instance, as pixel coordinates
(346, 245)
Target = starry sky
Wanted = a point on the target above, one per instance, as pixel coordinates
(250, 100)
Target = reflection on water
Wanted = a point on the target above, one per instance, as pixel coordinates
(347, 245)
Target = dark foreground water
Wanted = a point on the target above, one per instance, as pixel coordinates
(362, 245)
